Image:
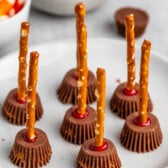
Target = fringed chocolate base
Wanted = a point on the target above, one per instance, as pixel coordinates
(68, 90)
(124, 105)
(31, 154)
(141, 138)
(107, 158)
(15, 112)
(140, 24)
(77, 130)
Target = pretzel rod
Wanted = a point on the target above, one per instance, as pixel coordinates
(80, 12)
(129, 22)
(32, 81)
(83, 71)
(99, 129)
(24, 32)
(144, 71)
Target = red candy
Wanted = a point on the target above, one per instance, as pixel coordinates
(100, 148)
(18, 6)
(20, 101)
(28, 139)
(130, 92)
(141, 124)
(79, 116)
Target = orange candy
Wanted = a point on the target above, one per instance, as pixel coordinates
(9, 8)
(5, 7)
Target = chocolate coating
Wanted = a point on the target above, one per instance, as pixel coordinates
(98, 159)
(77, 130)
(124, 105)
(68, 90)
(141, 139)
(15, 112)
(31, 155)
(141, 20)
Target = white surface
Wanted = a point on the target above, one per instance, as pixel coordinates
(10, 28)
(55, 60)
(63, 7)
(100, 24)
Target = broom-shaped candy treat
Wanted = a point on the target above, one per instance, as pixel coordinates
(79, 121)
(125, 99)
(68, 89)
(14, 107)
(141, 131)
(99, 152)
(31, 148)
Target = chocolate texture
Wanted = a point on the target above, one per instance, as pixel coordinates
(141, 20)
(141, 138)
(68, 90)
(31, 154)
(15, 112)
(124, 105)
(77, 130)
(107, 158)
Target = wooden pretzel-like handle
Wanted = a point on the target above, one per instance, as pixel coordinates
(32, 81)
(80, 12)
(83, 71)
(24, 32)
(100, 94)
(144, 73)
(130, 36)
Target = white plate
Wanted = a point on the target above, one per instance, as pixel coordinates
(64, 7)
(56, 59)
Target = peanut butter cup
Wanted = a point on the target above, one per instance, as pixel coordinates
(68, 90)
(14, 106)
(125, 99)
(31, 148)
(79, 121)
(141, 20)
(99, 152)
(141, 131)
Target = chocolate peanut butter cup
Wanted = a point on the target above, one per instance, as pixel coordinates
(15, 112)
(68, 90)
(141, 20)
(14, 107)
(123, 104)
(98, 159)
(76, 129)
(141, 131)
(141, 139)
(31, 154)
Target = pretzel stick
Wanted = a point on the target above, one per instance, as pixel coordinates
(129, 22)
(144, 73)
(83, 71)
(24, 32)
(32, 81)
(99, 129)
(80, 12)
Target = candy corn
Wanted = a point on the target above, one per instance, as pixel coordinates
(9, 8)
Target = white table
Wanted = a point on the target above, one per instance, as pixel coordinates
(100, 23)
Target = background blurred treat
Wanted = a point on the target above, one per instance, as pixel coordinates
(141, 20)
